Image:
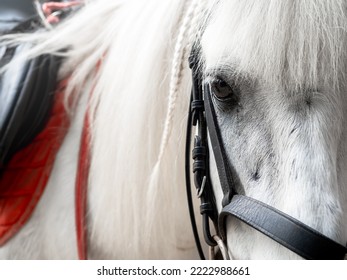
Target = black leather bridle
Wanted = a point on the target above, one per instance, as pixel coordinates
(287, 231)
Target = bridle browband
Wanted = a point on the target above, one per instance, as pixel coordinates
(284, 229)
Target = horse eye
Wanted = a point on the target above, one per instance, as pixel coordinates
(221, 90)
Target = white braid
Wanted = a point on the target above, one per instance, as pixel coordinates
(188, 29)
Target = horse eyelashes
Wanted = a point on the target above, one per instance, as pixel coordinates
(221, 89)
(224, 93)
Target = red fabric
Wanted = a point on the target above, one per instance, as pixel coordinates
(81, 190)
(82, 186)
(25, 177)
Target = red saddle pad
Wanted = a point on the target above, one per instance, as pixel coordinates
(24, 178)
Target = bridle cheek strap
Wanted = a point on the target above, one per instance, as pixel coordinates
(224, 169)
(287, 231)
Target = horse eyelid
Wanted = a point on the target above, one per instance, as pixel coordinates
(227, 74)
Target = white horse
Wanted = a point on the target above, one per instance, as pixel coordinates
(284, 130)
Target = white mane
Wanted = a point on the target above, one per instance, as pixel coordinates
(130, 96)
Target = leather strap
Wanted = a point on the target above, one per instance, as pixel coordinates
(81, 190)
(200, 168)
(287, 231)
(224, 169)
(81, 183)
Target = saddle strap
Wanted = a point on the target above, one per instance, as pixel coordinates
(81, 190)
(289, 232)
(81, 182)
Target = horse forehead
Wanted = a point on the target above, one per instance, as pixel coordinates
(233, 30)
(287, 42)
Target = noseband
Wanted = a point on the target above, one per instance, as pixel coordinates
(284, 229)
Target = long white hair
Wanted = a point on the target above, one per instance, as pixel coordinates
(141, 48)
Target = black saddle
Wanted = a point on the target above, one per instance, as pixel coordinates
(13, 12)
(26, 95)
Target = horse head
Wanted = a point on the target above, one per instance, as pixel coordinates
(275, 76)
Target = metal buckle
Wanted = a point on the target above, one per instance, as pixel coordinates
(200, 191)
(221, 248)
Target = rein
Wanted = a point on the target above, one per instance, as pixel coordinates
(282, 228)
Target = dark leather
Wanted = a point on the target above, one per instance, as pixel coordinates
(224, 168)
(289, 232)
(26, 97)
(13, 12)
(200, 167)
